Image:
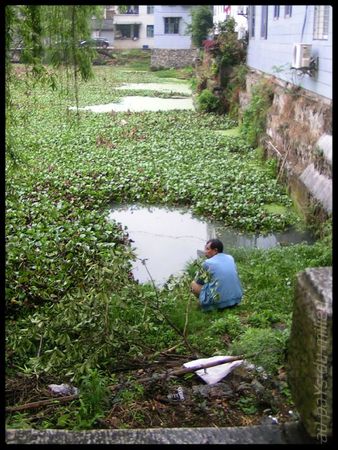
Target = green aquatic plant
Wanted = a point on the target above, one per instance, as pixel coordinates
(71, 305)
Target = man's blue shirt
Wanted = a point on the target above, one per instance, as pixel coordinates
(224, 288)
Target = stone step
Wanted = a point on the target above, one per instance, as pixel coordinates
(292, 433)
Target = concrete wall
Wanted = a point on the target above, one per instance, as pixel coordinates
(310, 352)
(277, 50)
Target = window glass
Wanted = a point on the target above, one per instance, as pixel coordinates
(288, 11)
(252, 20)
(123, 31)
(264, 22)
(276, 10)
(321, 22)
(150, 9)
(150, 30)
(171, 25)
(126, 31)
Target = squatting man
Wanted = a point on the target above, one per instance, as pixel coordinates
(218, 285)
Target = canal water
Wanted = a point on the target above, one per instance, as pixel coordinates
(137, 103)
(167, 239)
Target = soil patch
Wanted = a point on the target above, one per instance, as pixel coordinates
(146, 397)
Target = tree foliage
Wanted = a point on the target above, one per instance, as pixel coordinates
(226, 47)
(232, 50)
(47, 34)
(201, 23)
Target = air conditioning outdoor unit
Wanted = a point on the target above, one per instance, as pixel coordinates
(301, 55)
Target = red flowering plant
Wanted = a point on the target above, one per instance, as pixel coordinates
(210, 45)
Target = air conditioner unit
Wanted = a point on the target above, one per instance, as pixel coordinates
(301, 55)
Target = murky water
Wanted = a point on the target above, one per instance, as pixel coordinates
(137, 103)
(161, 87)
(169, 238)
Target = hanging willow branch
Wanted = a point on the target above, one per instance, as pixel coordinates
(76, 91)
(47, 34)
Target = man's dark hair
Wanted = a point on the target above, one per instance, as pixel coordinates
(216, 243)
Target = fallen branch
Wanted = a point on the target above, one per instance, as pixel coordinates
(181, 371)
(33, 405)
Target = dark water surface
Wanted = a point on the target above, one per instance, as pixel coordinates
(169, 238)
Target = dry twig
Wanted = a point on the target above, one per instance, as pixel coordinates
(33, 405)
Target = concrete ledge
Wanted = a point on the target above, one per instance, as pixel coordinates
(325, 144)
(292, 433)
(319, 186)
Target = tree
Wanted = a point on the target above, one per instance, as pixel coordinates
(47, 33)
(232, 50)
(201, 24)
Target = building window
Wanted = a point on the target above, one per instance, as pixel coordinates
(276, 10)
(150, 30)
(126, 31)
(264, 22)
(128, 9)
(171, 25)
(287, 10)
(150, 9)
(252, 20)
(321, 22)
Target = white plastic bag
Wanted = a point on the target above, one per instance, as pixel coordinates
(212, 375)
(63, 389)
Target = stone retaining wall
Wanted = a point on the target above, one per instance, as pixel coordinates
(169, 58)
(296, 119)
(298, 134)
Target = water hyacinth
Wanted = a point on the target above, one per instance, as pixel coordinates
(65, 260)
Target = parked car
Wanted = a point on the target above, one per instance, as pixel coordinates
(95, 42)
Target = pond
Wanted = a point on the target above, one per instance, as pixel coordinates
(162, 87)
(138, 103)
(169, 238)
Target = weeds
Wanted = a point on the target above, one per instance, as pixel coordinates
(254, 117)
(93, 398)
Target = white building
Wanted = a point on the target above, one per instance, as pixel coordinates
(145, 26)
(277, 33)
(238, 12)
(133, 28)
(171, 23)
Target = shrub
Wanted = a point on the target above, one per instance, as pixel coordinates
(268, 347)
(208, 102)
(230, 324)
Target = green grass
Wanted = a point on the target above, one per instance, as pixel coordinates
(275, 208)
(230, 132)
